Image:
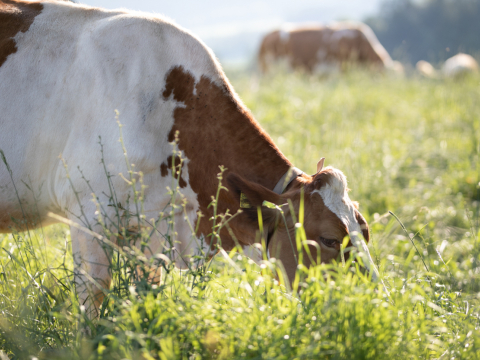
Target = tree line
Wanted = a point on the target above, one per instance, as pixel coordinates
(432, 30)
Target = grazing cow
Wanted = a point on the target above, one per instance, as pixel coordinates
(65, 68)
(317, 48)
(459, 65)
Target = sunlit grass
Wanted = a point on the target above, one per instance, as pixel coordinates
(410, 146)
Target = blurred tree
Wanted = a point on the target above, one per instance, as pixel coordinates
(431, 30)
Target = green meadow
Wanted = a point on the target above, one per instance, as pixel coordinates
(410, 148)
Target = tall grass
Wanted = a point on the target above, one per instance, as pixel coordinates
(410, 146)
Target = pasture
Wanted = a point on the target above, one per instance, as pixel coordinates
(410, 146)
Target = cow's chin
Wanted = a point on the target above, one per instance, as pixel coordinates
(328, 254)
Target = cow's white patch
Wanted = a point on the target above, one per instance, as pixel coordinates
(284, 35)
(322, 54)
(335, 198)
(326, 68)
(344, 34)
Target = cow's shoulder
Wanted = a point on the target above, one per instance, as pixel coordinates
(15, 16)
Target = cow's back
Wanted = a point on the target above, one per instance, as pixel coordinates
(65, 69)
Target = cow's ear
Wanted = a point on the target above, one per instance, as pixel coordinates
(252, 195)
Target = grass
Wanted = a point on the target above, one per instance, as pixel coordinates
(409, 146)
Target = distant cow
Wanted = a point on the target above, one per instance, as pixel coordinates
(426, 69)
(323, 48)
(65, 68)
(459, 65)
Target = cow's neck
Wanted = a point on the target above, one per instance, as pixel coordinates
(216, 129)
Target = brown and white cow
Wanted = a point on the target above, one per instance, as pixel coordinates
(65, 68)
(318, 48)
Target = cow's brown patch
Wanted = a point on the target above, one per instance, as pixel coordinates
(363, 225)
(14, 219)
(215, 129)
(177, 173)
(15, 16)
(7, 222)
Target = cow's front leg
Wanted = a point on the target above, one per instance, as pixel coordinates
(91, 269)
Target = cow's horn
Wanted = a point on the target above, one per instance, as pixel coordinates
(320, 165)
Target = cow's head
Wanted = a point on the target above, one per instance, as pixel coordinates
(329, 216)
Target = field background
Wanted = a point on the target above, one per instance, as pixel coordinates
(407, 145)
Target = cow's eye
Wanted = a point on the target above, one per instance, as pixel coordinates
(329, 242)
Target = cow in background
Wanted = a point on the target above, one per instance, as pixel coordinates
(459, 65)
(318, 48)
(456, 66)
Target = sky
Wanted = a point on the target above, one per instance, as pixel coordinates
(233, 29)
